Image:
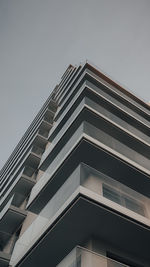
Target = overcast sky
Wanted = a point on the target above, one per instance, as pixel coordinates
(40, 38)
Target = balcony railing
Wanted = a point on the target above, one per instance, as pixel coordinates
(7, 242)
(43, 132)
(23, 182)
(34, 156)
(40, 140)
(53, 106)
(45, 127)
(115, 144)
(13, 214)
(49, 115)
(114, 191)
(81, 257)
(88, 181)
(37, 150)
(105, 186)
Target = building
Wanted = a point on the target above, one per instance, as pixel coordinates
(75, 191)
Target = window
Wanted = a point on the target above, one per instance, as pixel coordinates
(122, 199)
(111, 194)
(134, 206)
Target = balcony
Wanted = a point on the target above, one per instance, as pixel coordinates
(7, 242)
(12, 215)
(22, 184)
(67, 120)
(81, 257)
(52, 106)
(34, 156)
(28, 172)
(26, 182)
(45, 127)
(97, 85)
(49, 115)
(40, 140)
(110, 145)
(98, 199)
(106, 109)
(43, 131)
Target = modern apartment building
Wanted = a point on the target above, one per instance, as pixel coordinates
(76, 190)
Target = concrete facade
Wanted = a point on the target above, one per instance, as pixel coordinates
(76, 190)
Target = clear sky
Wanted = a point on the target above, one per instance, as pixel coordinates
(40, 38)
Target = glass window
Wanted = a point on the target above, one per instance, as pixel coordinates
(133, 205)
(123, 200)
(111, 194)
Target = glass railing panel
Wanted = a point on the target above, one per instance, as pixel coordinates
(15, 177)
(81, 257)
(49, 115)
(118, 117)
(16, 200)
(6, 207)
(84, 177)
(43, 132)
(120, 142)
(115, 191)
(19, 201)
(125, 96)
(64, 111)
(7, 242)
(62, 130)
(28, 171)
(64, 83)
(55, 136)
(37, 150)
(52, 106)
(44, 217)
(56, 162)
(98, 134)
(59, 130)
(72, 82)
(68, 122)
(77, 88)
(116, 100)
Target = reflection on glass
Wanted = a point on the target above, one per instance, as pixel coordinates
(93, 181)
(111, 194)
(122, 199)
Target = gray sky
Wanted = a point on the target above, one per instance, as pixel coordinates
(39, 38)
